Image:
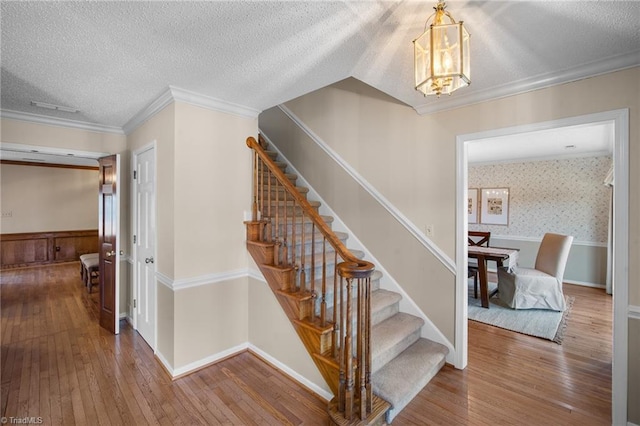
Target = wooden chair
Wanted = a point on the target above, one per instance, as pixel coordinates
(476, 238)
(89, 269)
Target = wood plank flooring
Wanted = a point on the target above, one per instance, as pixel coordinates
(57, 364)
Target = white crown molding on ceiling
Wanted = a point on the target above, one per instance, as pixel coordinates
(604, 66)
(59, 122)
(175, 94)
(171, 94)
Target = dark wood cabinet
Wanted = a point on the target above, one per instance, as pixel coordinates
(39, 248)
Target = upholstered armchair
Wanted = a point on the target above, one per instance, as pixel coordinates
(539, 287)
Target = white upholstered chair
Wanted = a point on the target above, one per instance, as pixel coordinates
(539, 287)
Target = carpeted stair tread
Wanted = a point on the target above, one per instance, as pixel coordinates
(400, 380)
(282, 203)
(384, 305)
(279, 188)
(342, 236)
(392, 336)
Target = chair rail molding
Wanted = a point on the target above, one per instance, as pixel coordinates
(539, 239)
(214, 278)
(634, 312)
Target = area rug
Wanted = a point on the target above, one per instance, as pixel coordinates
(541, 323)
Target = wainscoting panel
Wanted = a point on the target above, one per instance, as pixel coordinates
(41, 248)
(587, 263)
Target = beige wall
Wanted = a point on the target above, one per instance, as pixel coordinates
(411, 159)
(418, 272)
(43, 199)
(212, 178)
(203, 189)
(210, 319)
(165, 340)
(271, 331)
(212, 190)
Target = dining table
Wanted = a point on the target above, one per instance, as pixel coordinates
(501, 255)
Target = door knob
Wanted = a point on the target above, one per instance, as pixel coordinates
(148, 260)
(110, 253)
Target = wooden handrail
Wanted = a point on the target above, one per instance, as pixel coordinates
(322, 226)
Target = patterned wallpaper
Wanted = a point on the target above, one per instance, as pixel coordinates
(561, 196)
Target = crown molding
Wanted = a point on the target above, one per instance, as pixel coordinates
(176, 94)
(604, 66)
(59, 122)
(203, 101)
(155, 106)
(168, 95)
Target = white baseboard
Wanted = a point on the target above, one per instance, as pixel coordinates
(196, 365)
(166, 364)
(328, 396)
(585, 284)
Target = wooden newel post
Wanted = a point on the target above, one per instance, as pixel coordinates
(355, 368)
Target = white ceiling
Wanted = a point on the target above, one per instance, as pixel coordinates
(110, 60)
(586, 140)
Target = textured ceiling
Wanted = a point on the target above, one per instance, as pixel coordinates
(111, 59)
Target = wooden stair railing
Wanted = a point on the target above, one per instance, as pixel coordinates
(283, 224)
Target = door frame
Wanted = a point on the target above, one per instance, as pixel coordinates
(134, 231)
(620, 120)
(118, 247)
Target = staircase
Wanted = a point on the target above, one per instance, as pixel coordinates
(370, 354)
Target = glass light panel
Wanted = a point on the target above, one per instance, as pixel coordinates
(422, 59)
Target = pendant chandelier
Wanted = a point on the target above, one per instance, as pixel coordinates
(441, 55)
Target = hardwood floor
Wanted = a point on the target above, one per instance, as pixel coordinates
(514, 379)
(56, 363)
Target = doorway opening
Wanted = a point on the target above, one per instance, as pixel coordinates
(620, 121)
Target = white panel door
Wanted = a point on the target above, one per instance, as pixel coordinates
(145, 242)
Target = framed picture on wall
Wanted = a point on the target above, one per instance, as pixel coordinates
(472, 204)
(494, 206)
